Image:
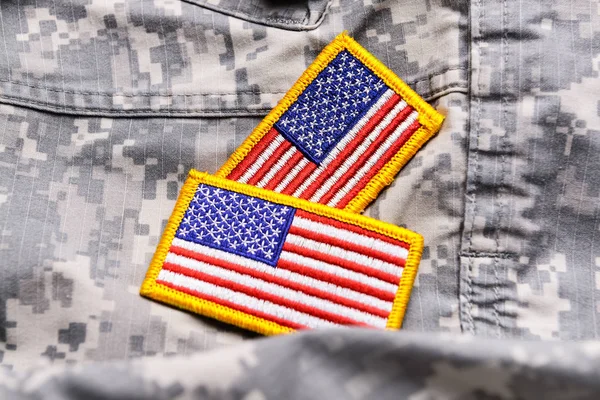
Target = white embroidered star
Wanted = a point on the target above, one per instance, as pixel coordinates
(268, 254)
(204, 190)
(198, 198)
(252, 250)
(203, 224)
(272, 241)
(187, 220)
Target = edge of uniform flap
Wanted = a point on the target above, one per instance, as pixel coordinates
(150, 288)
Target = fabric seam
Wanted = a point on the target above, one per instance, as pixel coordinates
(499, 195)
(158, 94)
(483, 254)
(472, 207)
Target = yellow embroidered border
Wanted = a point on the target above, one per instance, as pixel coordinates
(429, 118)
(150, 288)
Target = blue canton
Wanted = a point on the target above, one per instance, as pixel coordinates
(330, 106)
(236, 223)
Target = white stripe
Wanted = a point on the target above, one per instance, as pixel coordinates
(344, 142)
(375, 244)
(285, 274)
(322, 266)
(359, 125)
(362, 148)
(291, 175)
(277, 290)
(348, 255)
(374, 158)
(262, 158)
(277, 167)
(242, 299)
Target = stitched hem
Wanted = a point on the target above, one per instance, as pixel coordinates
(483, 254)
(98, 112)
(216, 94)
(183, 108)
(467, 323)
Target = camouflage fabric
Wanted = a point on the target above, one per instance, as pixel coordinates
(350, 364)
(105, 105)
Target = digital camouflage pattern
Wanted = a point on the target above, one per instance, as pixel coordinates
(350, 364)
(105, 105)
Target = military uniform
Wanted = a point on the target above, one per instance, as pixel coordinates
(106, 105)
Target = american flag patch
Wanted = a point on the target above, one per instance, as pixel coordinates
(273, 263)
(340, 135)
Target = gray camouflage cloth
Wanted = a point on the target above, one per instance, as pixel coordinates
(105, 105)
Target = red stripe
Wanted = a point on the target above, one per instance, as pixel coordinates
(229, 304)
(253, 155)
(336, 280)
(262, 295)
(346, 245)
(269, 163)
(283, 172)
(349, 149)
(300, 178)
(340, 262)
(364, 157)
(351, 228)
(279, 281)
(387, 156)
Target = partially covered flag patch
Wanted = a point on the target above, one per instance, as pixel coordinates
(273, 263)
(340, 135)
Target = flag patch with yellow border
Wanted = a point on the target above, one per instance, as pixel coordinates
(273, 263)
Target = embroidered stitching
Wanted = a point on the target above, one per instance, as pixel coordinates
(334, 268)
(169, 94)
(332, 103)
(340, 135)
(236, 223)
